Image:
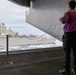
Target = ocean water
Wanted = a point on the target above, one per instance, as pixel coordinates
(16, 45)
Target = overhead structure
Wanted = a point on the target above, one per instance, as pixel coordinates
(45, 14)
(22, 2)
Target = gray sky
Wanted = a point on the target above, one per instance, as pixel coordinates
(14, 17)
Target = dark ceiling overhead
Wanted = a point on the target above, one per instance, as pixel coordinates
(22, 2)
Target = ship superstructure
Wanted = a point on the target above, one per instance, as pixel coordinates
(4, 31)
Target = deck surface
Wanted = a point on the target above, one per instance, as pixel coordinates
(38, 62)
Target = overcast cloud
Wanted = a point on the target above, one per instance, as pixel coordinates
(11, 13)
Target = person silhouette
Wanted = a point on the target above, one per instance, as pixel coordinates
(69, 37)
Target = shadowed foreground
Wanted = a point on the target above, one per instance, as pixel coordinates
(40, 62)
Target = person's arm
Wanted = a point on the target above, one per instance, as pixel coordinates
(65, 18)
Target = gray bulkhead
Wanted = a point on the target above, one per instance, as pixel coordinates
(45, 14)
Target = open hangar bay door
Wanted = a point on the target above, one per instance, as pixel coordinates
(45, 14)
